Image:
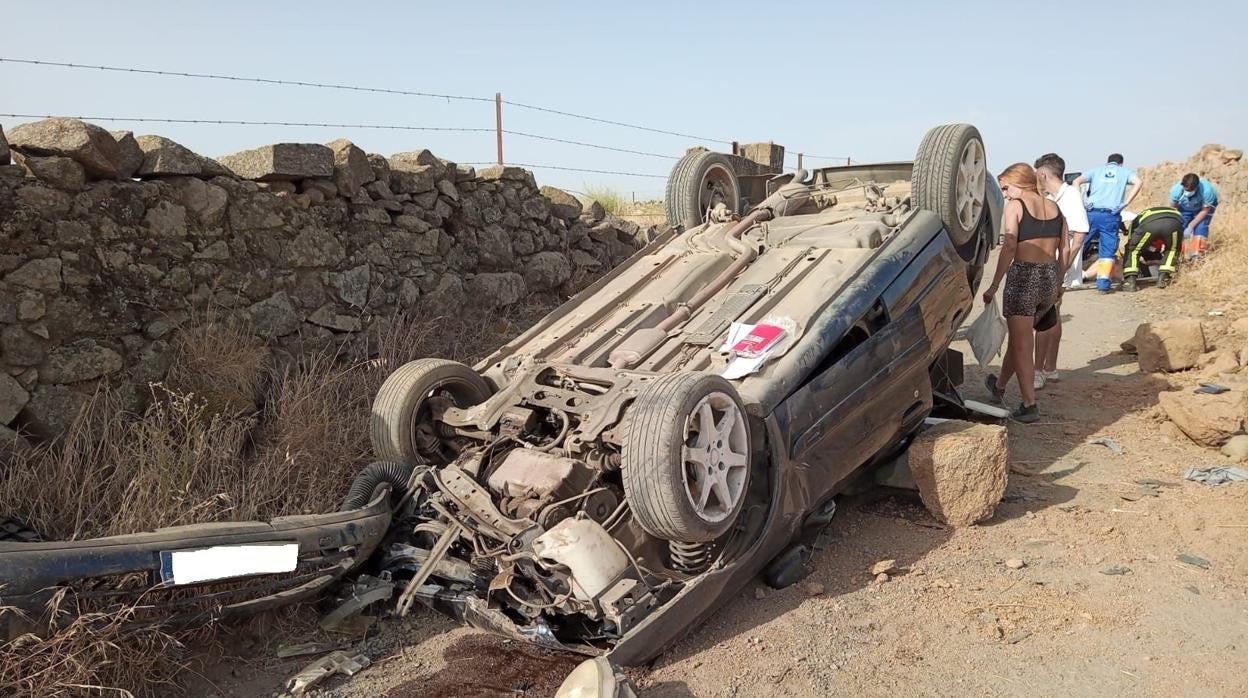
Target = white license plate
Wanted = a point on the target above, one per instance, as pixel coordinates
(179, 567)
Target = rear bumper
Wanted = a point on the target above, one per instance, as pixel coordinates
(118, 571)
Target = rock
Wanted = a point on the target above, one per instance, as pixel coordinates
(412, 179)
(38, 274)
(1236, 448)
(1015, 563)
(55, 171)
(129, 154)
(814, 589)
(327, 316)
(79, 361)
(1209, 420)
(353, 288)
(19, 347)
(274, 316)
(52, 410)
(5, 157)
(1115, 570)
(166, 220)
(546, 270)
(165, 158)
(13, 397)
(562, 204)
(447, 188)
(883, 566)
(961, 470)
(881, 578)
(87, 144)
(351, 167)
(411, 223)
(417, 158)
(507, 173)
(30, 306)
(1221, 363)
(593, 212)
(282, 161)
(496, 290)
(760, 593)
(1169, 345)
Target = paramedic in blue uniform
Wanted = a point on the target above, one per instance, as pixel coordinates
(1197, 199)
(1111, 187)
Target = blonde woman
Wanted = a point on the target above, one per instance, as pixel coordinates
(1034, 232)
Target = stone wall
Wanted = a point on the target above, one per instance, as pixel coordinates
(110, 242)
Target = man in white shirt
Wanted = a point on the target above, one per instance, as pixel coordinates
(1050, 173)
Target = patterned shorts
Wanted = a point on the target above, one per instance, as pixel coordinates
(1031, 288)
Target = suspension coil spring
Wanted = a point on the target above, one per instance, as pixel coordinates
(689, 558)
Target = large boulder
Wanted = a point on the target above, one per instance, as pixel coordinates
(546, 270)
(89, 145)
(961, 469)
(1169, 345)
(55, 170)
(274, 316)
(496, 290)
(282, 162)
(129, 154)
(165, 158)
(351, 167)
(1209, 420)
(562, 204)
(79, 361)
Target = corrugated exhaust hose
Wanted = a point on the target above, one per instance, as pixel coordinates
(391, 472)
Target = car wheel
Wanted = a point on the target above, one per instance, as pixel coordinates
(402, 426)
(698, 182)
(950, 176)
(686, 457)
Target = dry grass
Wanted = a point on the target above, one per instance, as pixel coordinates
(229, 436)
(1222, 276)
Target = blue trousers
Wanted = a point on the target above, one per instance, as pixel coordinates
(1103, 227)
(1202, 228)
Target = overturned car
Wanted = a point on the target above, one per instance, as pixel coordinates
(604, 481)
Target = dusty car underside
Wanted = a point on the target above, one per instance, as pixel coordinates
(589, 472)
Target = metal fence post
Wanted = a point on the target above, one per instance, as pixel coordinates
(498, 124)
(799, 161)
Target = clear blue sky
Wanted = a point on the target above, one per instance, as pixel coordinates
(1152, 80)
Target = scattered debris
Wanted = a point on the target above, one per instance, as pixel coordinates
(1107, 443)
(815, 589)
(883, 566)
(303, 649)
(1193, 560)
(881, 578)
(1216, 313)
(1015, 563)
(1140, 492)
(1216, 475)
(1018, 637)
(760, 593)
(1212, 389)
(366, 591)
(325, 667)
(1115, 570)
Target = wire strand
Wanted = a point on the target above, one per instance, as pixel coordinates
(236, 122)
(237, 78)
(590, 145)
(569, 169)
(614, 123)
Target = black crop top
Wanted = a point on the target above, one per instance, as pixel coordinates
(1031, 228)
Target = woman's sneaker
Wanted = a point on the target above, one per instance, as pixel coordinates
(1038, 381)
(997, 394)
(1026, 415)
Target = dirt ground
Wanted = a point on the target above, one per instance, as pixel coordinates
(1100, 606)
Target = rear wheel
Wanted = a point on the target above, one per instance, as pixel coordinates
(403, 427)
(950, 178)
(698, 182)
(686, 457)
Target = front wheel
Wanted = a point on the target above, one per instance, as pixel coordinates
(403, 426)
(686, 457)
(950, 179)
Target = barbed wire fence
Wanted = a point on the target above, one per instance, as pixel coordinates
(794, 159)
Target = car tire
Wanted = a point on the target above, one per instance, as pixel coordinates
(400, 408)
(950, 179)
(687, 195)
(686, 442)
